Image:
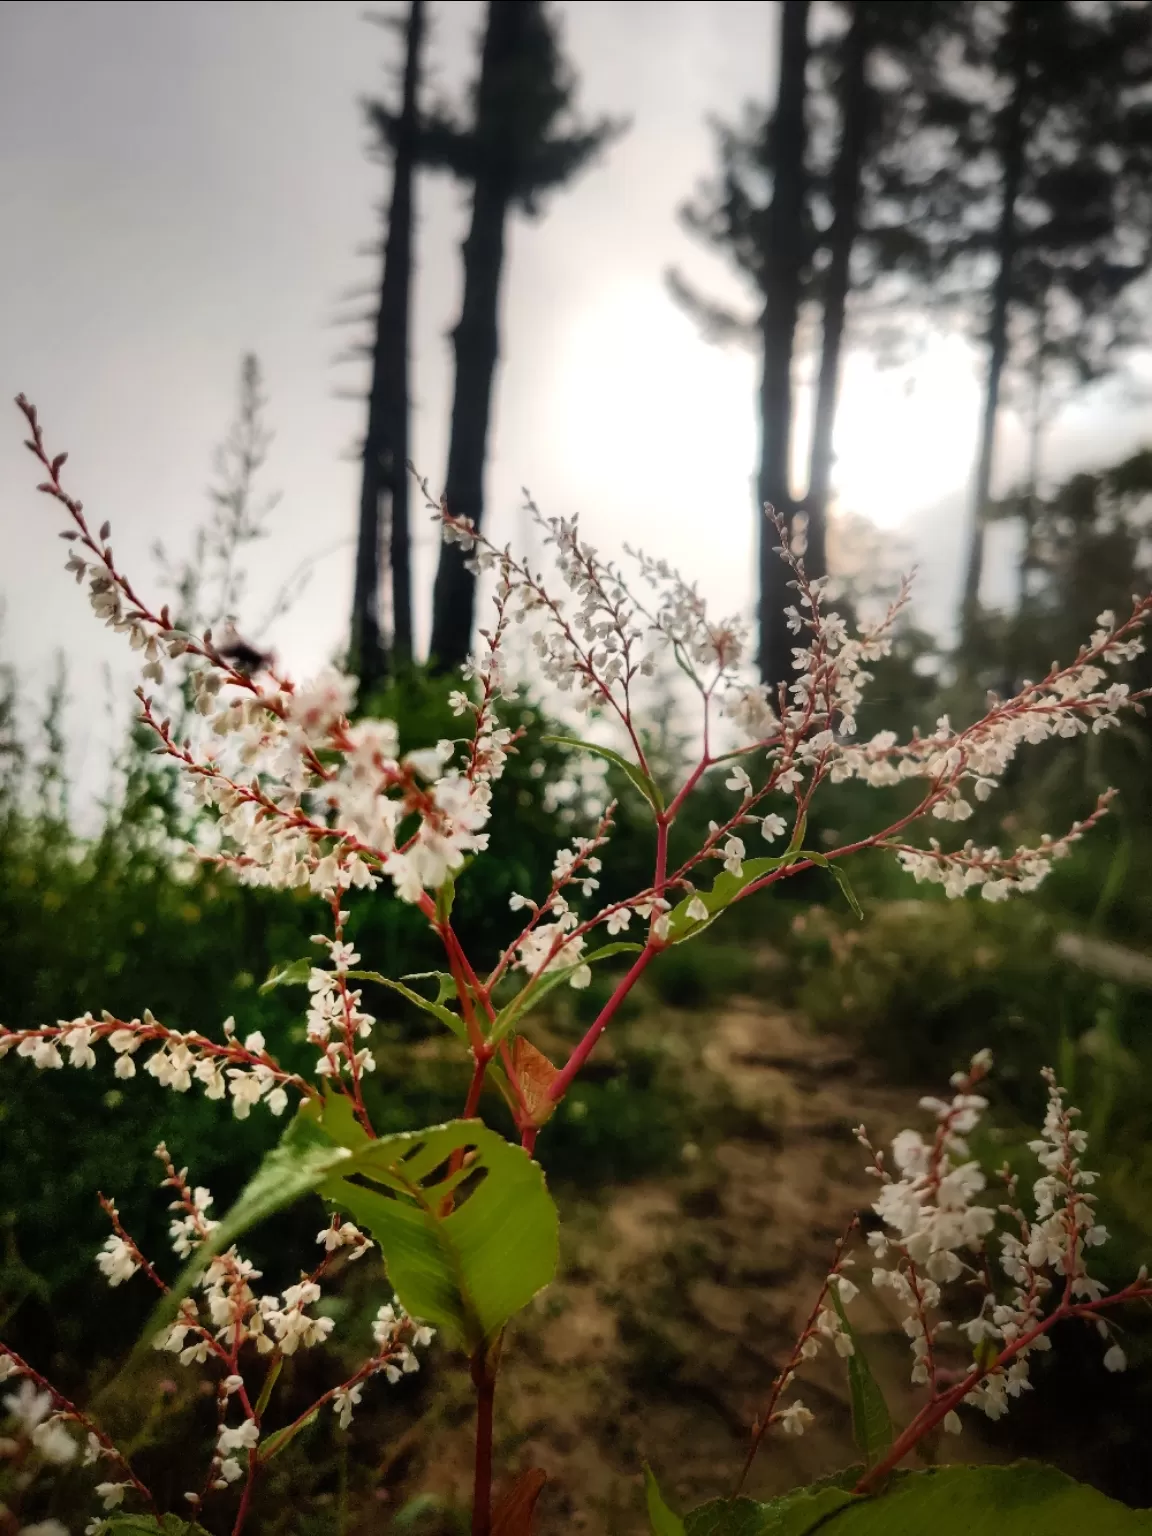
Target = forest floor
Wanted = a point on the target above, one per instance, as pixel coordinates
(679, 1297)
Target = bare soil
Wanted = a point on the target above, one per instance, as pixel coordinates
(678, 1298)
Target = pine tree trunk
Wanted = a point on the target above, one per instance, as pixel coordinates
(854, 127)
(384, 484)
(476, 337)
(1012, 150)
(783, 271)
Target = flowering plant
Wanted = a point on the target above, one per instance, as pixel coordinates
(300, 796)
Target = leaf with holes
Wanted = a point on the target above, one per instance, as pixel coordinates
(465, 1247)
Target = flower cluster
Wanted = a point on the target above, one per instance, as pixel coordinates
(296, 795)
(939, 1230)
(241, 1071)
(229, 1325)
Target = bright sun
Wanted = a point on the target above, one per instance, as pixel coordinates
(905, 437)
(656, 432)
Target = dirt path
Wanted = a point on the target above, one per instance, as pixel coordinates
(676, 1299)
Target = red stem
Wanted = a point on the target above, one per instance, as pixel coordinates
(563, 1079)
(939, 1408)
(484, 1379)
(246, 1497)
(476, 1086)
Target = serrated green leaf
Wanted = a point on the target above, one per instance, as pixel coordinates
(660, 1517)
(793, 1515)
(148, 1525)
(871, 1421)
(293, 975)
(467, 1269)
(535, 992)
(1022, 1500)
(438, 1011)
(1026, 1499)
(638, 777)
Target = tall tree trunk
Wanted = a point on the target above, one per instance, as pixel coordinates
(1012, 151)
(476, 337)
(384, 483)
(783, 271)
(854, 129)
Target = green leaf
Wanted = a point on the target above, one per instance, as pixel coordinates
(660, 1517)
(303, 1159)
(1022, 1500)
(793, 1515)
(293, 975)
(841, 879)
(148, 1525)
(299, 971)
(445, 898)
(453, 1020)
(445, 982)
(277, 1442)
(871, 1421)
(465, 1269)
(1026, 1499)
(725, 889)
(638, 777)
(528, 997)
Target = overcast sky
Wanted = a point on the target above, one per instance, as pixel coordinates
(185, 182)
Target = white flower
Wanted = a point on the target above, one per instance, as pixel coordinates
(116, 1259)
(773, 827)
(618, 920)
(344, 1399)
(54, 1442)
(696, 910)
(794, 1419)
(239, 1437)
(733, 853)
(1115, 1359)
(738, 779)
(952, 1424)
(112, 1494)
(8, 1367)
(28, 1406)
